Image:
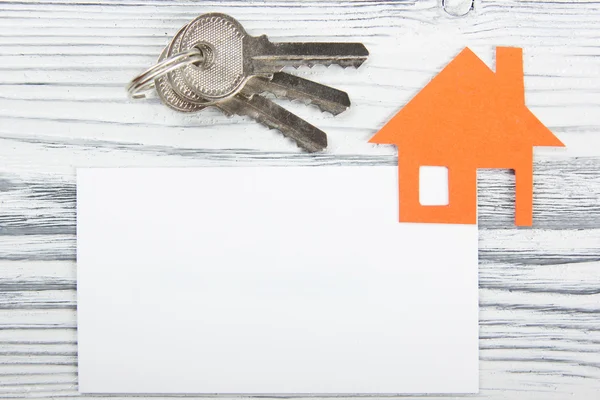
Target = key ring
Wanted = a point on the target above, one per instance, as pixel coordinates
(145, 81)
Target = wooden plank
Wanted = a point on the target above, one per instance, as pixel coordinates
(566, 190)
(496, 245)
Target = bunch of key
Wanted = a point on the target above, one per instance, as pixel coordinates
(212, 61)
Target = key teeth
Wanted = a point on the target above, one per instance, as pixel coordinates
(341, 63)
(259, 119)
(309, 103)
(271, 128)
(306, 102)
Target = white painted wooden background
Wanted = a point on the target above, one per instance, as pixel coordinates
(62, 105)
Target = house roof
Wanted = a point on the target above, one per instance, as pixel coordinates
(469, 105)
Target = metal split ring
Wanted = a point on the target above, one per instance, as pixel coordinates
(145, 81)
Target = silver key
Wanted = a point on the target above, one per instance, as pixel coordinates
(280, 84)
(292, 87)
(248, 103)
(268, 113)
(306, 136)
(233, 56)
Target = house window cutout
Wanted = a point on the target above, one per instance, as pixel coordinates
(433, 186)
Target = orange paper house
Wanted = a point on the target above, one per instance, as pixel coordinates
(467, 117)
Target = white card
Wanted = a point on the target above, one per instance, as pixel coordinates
(269, 280)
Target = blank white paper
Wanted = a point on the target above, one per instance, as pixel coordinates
(269, 280)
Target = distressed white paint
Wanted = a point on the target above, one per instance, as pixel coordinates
(62, 105)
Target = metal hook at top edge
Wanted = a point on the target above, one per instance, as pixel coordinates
(458, 8)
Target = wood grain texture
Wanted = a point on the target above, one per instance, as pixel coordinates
(62, 105)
